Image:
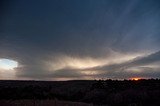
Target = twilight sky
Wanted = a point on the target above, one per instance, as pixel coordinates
(79, 39)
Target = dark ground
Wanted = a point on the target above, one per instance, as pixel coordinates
(101, 92)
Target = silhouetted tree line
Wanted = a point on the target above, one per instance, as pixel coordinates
(111, 92)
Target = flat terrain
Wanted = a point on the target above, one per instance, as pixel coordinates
(80, 93)
(40, 103)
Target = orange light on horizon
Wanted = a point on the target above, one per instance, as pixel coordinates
(136, 79)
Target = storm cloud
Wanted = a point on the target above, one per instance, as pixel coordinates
(81, 39)
(143, 66)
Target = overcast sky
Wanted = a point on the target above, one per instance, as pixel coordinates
(80, 39)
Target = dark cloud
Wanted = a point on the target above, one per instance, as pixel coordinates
(140, 67)
(33, 73)
(34, 32)
(146, 72)
(152, 58)
(67, 73)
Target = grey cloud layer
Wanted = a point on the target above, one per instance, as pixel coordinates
(32, 32)
(140, 66)
(137, 67)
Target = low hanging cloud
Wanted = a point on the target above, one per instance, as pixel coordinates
(76, 68)
(144, 66)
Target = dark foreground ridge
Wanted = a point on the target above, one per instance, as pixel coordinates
(100, 92)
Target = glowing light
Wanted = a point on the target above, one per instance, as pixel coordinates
(136, 79)
(7, 64)
(75, 63)
(90, 72)
(64, 61)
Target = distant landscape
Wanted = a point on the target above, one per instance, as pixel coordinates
(142, 92)
(79, 52)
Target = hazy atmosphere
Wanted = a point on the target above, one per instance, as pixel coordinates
(79, 39)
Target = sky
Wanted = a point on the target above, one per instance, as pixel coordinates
(79, 39)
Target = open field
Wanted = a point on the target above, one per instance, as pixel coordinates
(80, 93)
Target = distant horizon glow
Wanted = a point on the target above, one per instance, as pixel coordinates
(136, 78)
